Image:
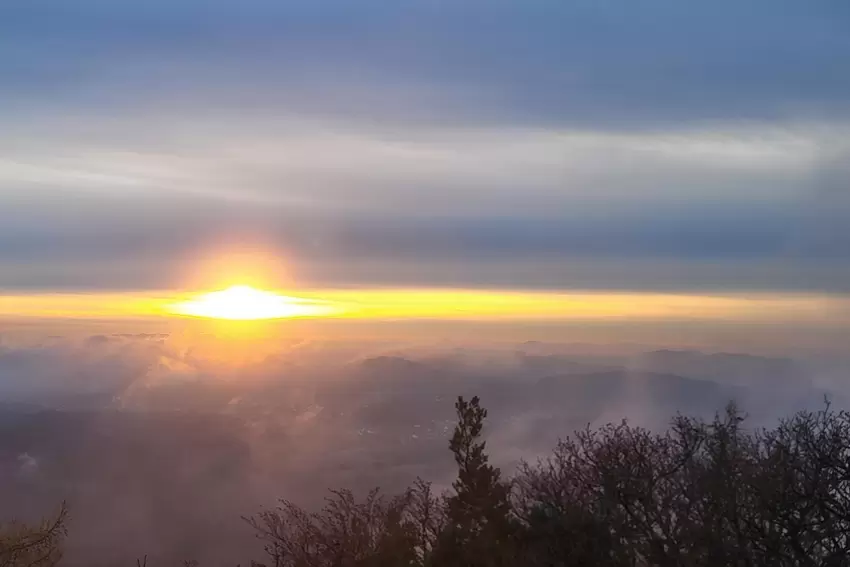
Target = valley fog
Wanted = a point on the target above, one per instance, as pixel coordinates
(160, 449)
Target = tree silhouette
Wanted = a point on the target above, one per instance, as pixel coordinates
(26, 546)
(701, 494)
(480, 528)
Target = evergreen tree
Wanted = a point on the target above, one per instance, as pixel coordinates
(480, 529)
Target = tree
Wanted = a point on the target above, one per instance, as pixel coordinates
(801, 491)
(25, 546)
(375, 532)
(700, 495)
(426, 514)
(346, 533)
(622, 495)
(480, 529)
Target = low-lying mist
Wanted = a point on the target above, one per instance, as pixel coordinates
(159, 448)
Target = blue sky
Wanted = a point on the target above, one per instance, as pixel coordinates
(524, 144)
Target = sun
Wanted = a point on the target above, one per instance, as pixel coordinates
(245, 303)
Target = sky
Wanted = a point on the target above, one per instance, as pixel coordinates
(421, 179)
(540, 147)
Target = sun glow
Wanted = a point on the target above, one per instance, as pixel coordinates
(244, 303)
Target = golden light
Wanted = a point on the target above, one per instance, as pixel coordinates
(236, 261)
(245, 303)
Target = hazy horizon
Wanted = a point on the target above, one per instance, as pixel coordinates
(257, 250)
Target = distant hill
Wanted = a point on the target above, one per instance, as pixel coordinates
(727, 368)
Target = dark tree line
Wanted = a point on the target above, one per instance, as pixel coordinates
(701, 494)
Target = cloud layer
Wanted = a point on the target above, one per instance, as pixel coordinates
(362, 143)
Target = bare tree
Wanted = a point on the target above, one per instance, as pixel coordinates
(702, 494)
(26, 546)
(376, 531)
